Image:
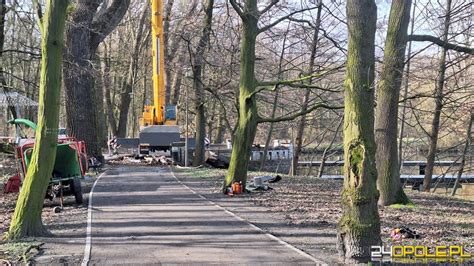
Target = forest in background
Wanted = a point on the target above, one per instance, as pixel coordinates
(122, 69)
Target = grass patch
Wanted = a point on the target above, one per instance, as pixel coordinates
(410, 205)
(202, 172)
(15, 252)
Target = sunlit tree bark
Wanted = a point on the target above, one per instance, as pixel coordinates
(26, 220)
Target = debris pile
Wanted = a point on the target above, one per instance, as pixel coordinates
(150, 160)
(216, 160)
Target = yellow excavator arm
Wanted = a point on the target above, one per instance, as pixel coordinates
(158, 113)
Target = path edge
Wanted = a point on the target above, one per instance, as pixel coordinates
(88, 246)
(259, 229)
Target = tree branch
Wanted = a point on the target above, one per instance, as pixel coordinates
(439, 42)
(106, 21)
(272, 3)
(292, 81)
(274, 23)
(293, 85)
(21, 52)
(295, 115)
(237, 9)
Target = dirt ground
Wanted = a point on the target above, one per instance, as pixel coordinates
(68, 228)
(308, 210)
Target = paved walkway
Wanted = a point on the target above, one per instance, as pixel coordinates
(144, 216)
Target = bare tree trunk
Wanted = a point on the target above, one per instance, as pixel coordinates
(405, 94)
(99, 96)
(467, 145)
(107, 84)
(200, 119)
(84, 33)
(433, 137)
(176, 84)
(388, 93)
(275, 101)
(220, 128)
(127, 89)
(323, 158)
(302, 122)
(3, 82)
(359, 226)
(166, 31)
(270, 130)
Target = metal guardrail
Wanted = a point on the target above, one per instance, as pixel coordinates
(411, 177)
(405, 163)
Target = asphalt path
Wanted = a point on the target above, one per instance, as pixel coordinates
(143, 215)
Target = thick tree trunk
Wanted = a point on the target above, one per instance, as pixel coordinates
(198, 86)
(78, 80)
(433, 138)
(388, 93)
(83, 35)
(304, 107)
(248, 116)
(26, 220)
(359, 227)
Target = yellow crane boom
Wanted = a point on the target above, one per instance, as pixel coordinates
(156, 114)
(158, 129)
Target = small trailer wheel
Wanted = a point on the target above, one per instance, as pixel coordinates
(77, 190)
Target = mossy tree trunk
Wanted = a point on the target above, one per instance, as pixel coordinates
(359, 227)
(198, 86)
(388, 93)
(248, 116)
(27, 217)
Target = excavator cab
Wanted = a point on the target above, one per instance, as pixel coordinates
(170, 115)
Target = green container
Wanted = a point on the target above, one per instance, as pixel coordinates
(66, 165)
